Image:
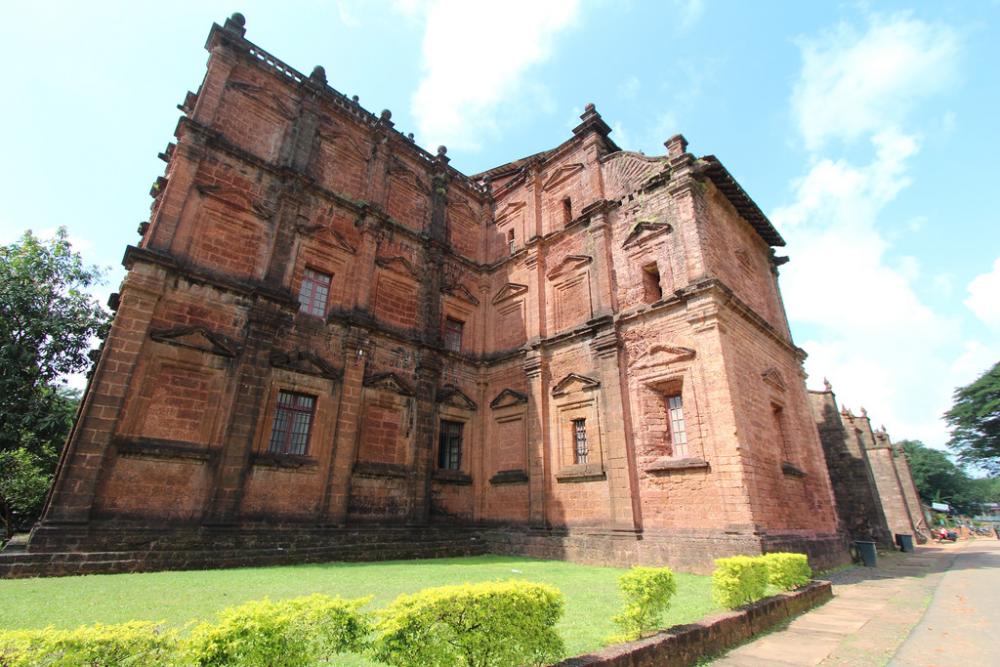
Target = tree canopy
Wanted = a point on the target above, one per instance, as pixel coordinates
(939, 480)
(975, 421)
(48, 322)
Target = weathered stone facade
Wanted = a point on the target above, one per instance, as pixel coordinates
(876, 496)
(580, 354)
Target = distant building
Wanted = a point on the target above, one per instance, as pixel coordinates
(332, 342)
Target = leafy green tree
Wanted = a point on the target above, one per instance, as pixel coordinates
(938, 479)
(975, 421)
(48, 321)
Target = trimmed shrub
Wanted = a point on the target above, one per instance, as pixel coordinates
(492, 624)
(286, 633)
(133, 644)
(738, 580)
(786, 570)
(647, 592)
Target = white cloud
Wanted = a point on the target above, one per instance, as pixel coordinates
(984, 296)
(943, 284)
(855, 83)
(869, 331)
(475, 59)
(690, 11)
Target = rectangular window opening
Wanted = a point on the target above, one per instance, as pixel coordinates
(450, 445)
(652, 291)
(580, 449)
(678, 431)
(292, 424)
(778, 415)
(510, 241)
(567, 206)
(453, 334)
(314, 292)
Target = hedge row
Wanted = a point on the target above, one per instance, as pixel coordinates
(740, 580)
(502, 623)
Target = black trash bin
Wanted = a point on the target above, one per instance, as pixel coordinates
(868, 554)
(905, 542)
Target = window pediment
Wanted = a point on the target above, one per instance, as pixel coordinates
(388, 382)
(306, 363)
(197, 338)
(562, 174)
(398, 265)
(508, 397)
(451, 395)
(460, 292)
(569, 264)
(645, 230)
(508, 211)
(773, 377)
(508, 291)
(574, 382)
(663, 355)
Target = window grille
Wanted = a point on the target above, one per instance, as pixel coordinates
(453, 334)
(450, 446)
(678, 432)
(314, 292)
(292, 424)
(580, 450)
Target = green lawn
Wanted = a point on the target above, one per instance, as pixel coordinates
(178, 597)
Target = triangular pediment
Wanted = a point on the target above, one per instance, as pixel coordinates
(333, 238)
(388, 382)
(562, 174)
(663, 355)
(451, 395)
(508, 211)
(228, 195)
(265, 96)
(508, 291)
(773, 377)
(645, 230)
(569, 264)
(507, 398)
(460, 292)
(401, 172)
(197, 338)
(399, 265)
(574, 382)
(345, 141)
(463, 211)
(305, 363)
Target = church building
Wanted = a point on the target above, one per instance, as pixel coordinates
(331, 344)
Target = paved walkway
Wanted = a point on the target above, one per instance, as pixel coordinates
(875, 609)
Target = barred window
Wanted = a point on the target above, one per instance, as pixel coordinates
(453, 334)
(314, 292)
(678, 432)
(450, 446)
(292, 424)
(580, 449)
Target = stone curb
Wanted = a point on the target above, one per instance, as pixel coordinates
(683, 645)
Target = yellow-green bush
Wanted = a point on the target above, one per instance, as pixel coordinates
(133, 644)
(647, 592)
(787, 570)
(285, 633)
(738, 580)
(493, 624)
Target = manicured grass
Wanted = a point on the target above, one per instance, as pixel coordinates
(179, 597)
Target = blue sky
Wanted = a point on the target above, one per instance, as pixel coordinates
(867, 131)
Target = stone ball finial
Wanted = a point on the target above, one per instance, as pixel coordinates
(385, 115)
(827, 385)
(864, 413)
(410, 136)
(355, 98)
(238, 20)
(442, 150)
(590, 108)
(318, 73)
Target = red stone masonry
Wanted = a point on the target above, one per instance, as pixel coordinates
(594, 288)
